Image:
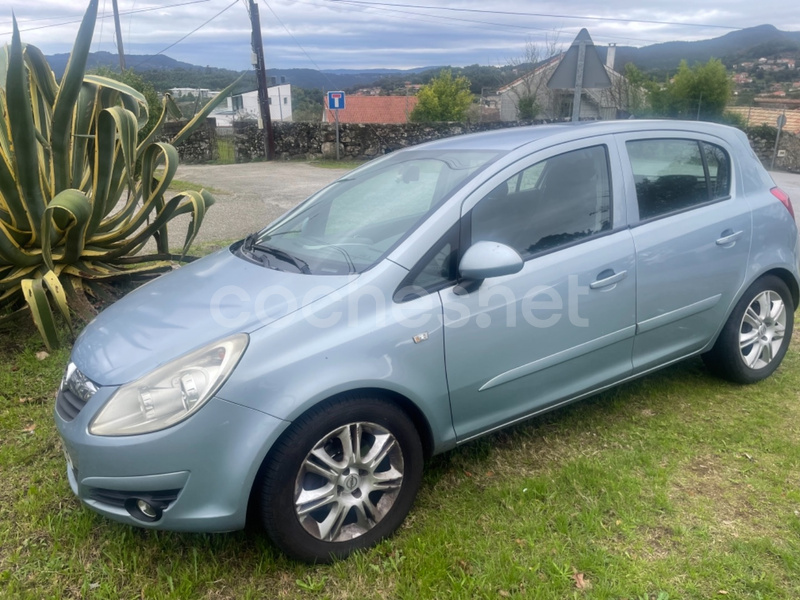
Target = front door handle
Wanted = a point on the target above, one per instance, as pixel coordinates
(608, 277)
(729, 237)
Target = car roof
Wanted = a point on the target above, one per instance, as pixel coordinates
(511, 138)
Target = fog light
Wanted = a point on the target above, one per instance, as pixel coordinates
(147, 510)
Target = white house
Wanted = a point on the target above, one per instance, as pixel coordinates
(245, 106)
(202, 93)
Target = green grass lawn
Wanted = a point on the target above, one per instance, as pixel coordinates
(178, 185)
(677, 485)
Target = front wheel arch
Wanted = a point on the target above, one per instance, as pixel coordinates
(408, 406)
(411, 410)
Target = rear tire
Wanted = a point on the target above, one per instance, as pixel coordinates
(343, 477)
(755, 337)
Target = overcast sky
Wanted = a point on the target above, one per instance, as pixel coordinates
(345, 34)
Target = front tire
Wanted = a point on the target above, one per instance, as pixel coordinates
(343, 477)
(755, 337)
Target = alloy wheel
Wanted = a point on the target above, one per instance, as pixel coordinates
(762, 329)
(348, 482)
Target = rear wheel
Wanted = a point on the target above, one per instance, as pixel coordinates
(755, 338)
(342, 478)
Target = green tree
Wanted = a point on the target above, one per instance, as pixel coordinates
(212, 78)
(445, 98)
(638, 88)
(480, 77)
(701, 91)
(698, 92)
(307, 104)
(527, 108)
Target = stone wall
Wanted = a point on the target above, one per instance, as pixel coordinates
(762, 139)
(356, 141)
(248, 141)
(198, 148)
(360, 141)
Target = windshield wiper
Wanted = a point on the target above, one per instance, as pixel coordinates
(249, 245)
(249, 241)
(298, 263)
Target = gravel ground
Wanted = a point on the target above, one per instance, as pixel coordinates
(790, 183)
(249, 196)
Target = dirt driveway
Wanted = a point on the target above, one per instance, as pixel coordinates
(249, 196)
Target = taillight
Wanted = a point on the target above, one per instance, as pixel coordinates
(784, 198)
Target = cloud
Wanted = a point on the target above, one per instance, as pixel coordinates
(384, 33)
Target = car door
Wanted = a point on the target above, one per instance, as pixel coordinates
(564, 324)
(692, 235)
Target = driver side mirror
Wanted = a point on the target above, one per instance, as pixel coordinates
(483, 260)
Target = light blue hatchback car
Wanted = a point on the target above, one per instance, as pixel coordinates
(429, 297)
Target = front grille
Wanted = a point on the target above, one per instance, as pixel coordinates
(68, 405)
(162, 498)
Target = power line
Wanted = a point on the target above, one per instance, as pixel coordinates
(187, 35)
(438, 19)
(325, 75)
(529, 14)
(380, 6)
(299, 45)
(130, 21)
(102, 22)
(433, 19)
(104, 16)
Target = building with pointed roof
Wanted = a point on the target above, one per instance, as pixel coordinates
(613, 102)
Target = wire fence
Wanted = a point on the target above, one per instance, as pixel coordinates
(226, 147)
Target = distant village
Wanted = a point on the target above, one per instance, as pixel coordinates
(763, 89)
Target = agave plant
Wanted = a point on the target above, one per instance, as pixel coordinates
(79, 197)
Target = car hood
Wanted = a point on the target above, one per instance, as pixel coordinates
(211, 298)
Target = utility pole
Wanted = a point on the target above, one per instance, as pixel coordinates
(119, 36)
(261, 75)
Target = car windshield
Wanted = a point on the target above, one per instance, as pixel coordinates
(351, 224)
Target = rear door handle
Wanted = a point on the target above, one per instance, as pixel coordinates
(729, 237)
(608, 277)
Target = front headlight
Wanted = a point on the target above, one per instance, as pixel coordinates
(170, 393)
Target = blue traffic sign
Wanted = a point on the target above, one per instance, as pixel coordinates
(335, 100)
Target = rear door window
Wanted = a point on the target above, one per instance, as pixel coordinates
(672, 175)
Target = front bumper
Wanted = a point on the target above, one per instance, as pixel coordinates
(200, 471)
